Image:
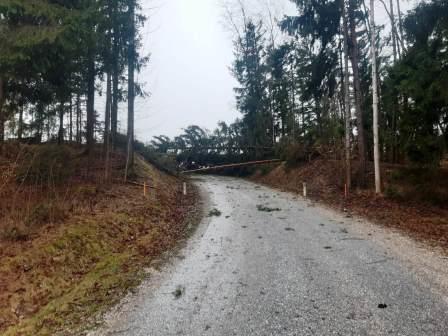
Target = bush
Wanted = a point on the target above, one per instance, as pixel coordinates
(121, 142)
(265, 169)
(425, 151)
(46, 213)
(423, 184)
(14, 231)
(47, 164)
(392, 193)
(164, 162)
(292, 153)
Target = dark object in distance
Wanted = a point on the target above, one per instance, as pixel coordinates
(267, 209)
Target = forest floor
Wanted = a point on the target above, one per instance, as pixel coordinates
(414, 202)
(86, 251)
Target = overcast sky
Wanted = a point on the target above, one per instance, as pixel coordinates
(188, 75)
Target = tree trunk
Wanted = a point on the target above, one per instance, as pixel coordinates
(20, 128)
(394, 31)
(106, 148)
(354, 55)
(2, 112)
(61, 124)
(400, 23)
(115, 78)
(348, 174)
(131, 90)
(293, 107)
(78, 119)
(40, 128)
(90, 101)
(396, 55)
(376, 145)
(71, 120)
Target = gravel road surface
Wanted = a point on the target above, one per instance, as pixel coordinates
(271, 263)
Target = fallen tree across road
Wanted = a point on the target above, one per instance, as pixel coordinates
(233, 165)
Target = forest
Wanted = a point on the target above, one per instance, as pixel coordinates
(350, 109)
(311, 91)
(57, 58)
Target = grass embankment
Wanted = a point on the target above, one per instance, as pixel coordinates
(57, 278)
(415, 201)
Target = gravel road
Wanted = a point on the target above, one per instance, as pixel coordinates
(275, 264)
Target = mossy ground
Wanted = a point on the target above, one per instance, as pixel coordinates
(57, 281)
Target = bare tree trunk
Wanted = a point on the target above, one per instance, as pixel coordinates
(115, 79)
(302, 129)
(400, 22)
(90, 101)
(71, 120)
(348, 169)
(78, 118)
(61, 124)
(293, 107)
(404, 99)
(396, 55)
(394, 31)
(20, 128)
(114, 110)
(376, 145)
(41, 125)
(354, 55)
(131, 90)
(106, 148)
(2, 112)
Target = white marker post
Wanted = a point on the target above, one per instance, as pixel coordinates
(185, 189)
(304, 190)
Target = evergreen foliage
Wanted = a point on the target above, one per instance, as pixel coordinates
(53, 54)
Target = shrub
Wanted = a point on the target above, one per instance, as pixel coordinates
(46, 213)
(48, 164)
(163, 162)
(392, 192)
(14, 230)
(292, 153)
(425, 151)
(265, 169)
(424, 184)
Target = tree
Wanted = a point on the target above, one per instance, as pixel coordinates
(280, 85)
(375, 101)
(53, 51)
(347, 105)
(131, 89)
(162, 143)
(355, 60)
(2, 113)
(316, 28)
(250, 72)
(421, 77)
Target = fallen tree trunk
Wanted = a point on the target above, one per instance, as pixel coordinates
(234, 165)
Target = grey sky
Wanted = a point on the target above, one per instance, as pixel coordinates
(188, 75)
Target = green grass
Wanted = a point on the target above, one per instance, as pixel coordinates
(59, 282)
(105, 276)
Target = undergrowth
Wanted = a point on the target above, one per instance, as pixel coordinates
(70, 246)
